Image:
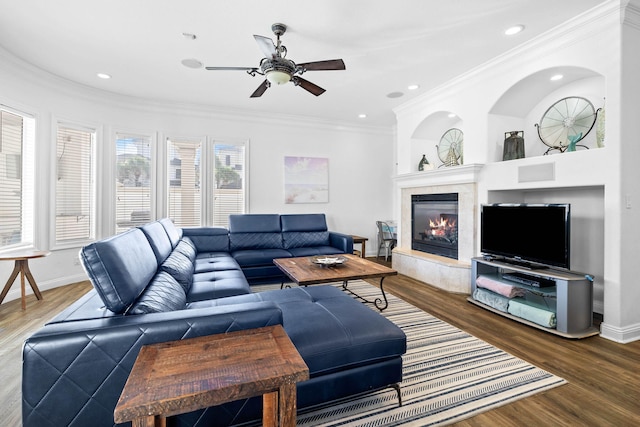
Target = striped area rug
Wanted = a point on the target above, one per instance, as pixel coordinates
(448, 375)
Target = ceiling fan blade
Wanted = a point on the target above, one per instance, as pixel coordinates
(266, 46)
(261, 89)
(308, 86)
(331, 64)
(248, 69)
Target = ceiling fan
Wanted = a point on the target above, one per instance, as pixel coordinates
(279, 70)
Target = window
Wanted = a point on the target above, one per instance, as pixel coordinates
(75, 189)
(17, 140)
(184, 203)
(133, 181)
(206, 181)
(229, 192)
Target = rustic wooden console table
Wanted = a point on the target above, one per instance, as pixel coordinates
(181, 376)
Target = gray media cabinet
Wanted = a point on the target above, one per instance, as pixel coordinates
(571, 298)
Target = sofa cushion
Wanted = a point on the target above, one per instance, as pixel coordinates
(163, 294)
(303, 239)
(331, 330)
(158, 239)
(208, 239)
(255, 231)
(303, 222)
(120, 267)
(218, 284)
(174, 233)
(258, 257)
(254, 223)
(187, 248)
(180, 268)
(241, 241)
(215, 261)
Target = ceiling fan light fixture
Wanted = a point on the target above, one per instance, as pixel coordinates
(277, 77)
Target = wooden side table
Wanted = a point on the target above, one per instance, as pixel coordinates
(181, 376)
(21, 267)
(363, 242)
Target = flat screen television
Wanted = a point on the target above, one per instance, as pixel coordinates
(530, 235)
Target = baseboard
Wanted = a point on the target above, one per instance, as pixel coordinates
(14, 292)
(622, 335)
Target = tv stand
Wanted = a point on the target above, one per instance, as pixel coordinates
(516, 262)
(571, 298)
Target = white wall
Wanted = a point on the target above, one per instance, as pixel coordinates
(360, 158)
(604, 42)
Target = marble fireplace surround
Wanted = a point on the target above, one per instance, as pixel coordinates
(445, 273)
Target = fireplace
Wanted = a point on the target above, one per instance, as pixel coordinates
(434, 224)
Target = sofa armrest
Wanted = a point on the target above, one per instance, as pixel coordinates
(344, 242)
(73, 372)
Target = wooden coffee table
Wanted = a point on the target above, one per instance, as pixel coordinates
(304, 272)
(181, 376)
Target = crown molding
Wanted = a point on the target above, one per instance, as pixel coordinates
(630, 14)
(56, 84)
(568, 33)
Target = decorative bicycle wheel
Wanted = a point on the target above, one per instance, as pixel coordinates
(566, 122)
(450, 147)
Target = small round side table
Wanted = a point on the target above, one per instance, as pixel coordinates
(21, 258)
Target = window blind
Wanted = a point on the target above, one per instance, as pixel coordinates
(184, 204)
(11, 200)
(75, 190)
(133, 181)
(229, 182)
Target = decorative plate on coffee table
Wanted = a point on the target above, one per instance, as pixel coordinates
(328, 261)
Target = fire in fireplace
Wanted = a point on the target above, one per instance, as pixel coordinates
(434, 224)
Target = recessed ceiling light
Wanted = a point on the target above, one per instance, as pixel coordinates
(191, 63)
(395, 95)
(514, 30)
(413, 87)
(362, 116)
(104, 76)
(556, 77)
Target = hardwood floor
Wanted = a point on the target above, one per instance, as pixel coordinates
(603, 377)
(16, 326)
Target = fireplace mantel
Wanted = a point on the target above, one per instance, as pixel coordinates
(446, 175)
(435, 270)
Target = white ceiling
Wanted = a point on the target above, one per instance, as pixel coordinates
(386, 45)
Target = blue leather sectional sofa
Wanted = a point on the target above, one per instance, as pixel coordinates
(160, 283)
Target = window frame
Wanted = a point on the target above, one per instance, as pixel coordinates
(207, 180)
(27, 177)
(204, 166)
(96, 130)
(155, 157)
(210, 209)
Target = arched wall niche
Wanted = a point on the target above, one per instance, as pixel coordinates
(522, 106)
(426, 136)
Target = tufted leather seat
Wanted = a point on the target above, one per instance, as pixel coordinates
(160, 283)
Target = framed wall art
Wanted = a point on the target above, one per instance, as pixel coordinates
(306, 180)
